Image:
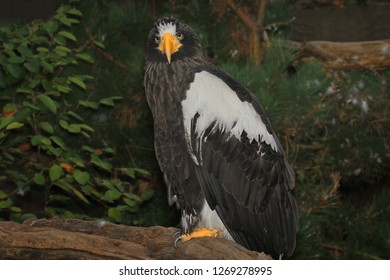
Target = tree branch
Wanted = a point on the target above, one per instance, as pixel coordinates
(242, 15)
(372, 55)
(77, 239)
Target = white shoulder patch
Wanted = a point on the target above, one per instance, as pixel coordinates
(214, 100)
(169, 27)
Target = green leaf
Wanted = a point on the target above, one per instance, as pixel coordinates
(68, 35)
(14, 125)
(54, 151)
(64, 124)
(46, 141)
(111, 195)
(80, 195)
(133, 197)
(102, 164)
(89, 104)
(2, 195)
(47, 127)
(24, 90)
(147, 194)
(31, 106)
(32, 66)
(39, 179)
(99, 44)
(15, 70)
(86, 127)
(48, 67)
(115, 215)
(25, 51)
(64, 185)
(36, 140)
(77, 81)
(85, 134)
(6, 121)
(129, 172)
(74, 12)
(62, 88)
(58, 141)
(15, 59)
(51, 211)
(6, 203)
(60, 52)
(42, 49)
(109, 150)
(74, 128)
(60, 40)
(88, 149)
(141, 171)
(9, 110)
(51, 26)
(76, 116)
(58, 197)
(107, 101)
(76, 159)
(130, 202)
(67, 21)
(15, 209)
(81, 177)
(55, 172)
(133, 209)
(34, 83)
(85, 57)
(48, 102)
(63, 49)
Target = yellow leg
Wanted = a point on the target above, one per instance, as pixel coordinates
(201, 232)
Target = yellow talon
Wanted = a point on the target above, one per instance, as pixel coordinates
(201, 232)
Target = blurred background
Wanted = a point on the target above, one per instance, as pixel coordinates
(76, 134)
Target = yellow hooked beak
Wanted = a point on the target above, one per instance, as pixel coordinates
(169, 45)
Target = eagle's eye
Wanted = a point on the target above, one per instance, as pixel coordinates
(180, 36)
(157, 39)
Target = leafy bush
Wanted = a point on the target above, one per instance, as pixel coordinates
(49, 153)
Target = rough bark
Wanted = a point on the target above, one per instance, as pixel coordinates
(374, 55)
(77, 239)
(255, 28)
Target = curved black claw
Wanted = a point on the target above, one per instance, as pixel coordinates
(177, 236)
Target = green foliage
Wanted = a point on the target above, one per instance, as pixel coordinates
(48, 148)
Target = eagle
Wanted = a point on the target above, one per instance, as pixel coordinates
(223, 165)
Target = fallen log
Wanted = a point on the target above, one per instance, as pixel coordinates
(373, 55)
(78, 239)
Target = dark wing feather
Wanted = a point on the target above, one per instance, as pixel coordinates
(248, 184)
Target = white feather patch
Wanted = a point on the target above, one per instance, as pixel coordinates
(210, 219)
(214, 100)
(169, 27)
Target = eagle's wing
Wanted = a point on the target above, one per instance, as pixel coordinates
(240, 163)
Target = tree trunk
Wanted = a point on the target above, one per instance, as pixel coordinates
(77, 239)
(255, 28)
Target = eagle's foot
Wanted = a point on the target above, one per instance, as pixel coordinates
(200, 232)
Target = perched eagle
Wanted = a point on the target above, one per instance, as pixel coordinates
(224, 167)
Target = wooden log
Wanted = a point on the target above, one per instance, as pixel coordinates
(374, 55)
(78, 239)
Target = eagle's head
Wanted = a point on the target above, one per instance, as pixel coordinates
(171, 40)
